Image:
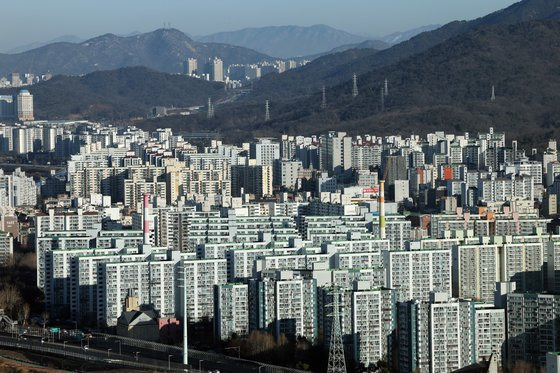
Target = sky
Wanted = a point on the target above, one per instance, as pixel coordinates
(28, 21)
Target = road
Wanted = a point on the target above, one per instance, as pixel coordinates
(128, 352)
(67, 349)
(31, 165)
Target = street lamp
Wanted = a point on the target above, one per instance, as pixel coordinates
(200, 366)
(185, 321)
(136, 354)
(169, 362)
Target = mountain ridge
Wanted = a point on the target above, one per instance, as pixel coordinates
(123, 93)
(325, 72)
(164, 50)
(289, 41)
(447, 87)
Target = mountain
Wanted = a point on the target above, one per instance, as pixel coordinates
(445, 88)
(287, 41)
(60, 39)
(163, 50)
(329, 71)
(373, 45)
(399, 37)
(123, 93)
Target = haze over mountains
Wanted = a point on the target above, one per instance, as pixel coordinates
(337, 68)
(287, 41)
(164, 50)
(276, 41)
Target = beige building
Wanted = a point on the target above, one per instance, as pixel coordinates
(25, 106)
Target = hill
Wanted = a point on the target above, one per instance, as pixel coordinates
(332, 70)
(372, 45)
(399, 37)
(30, 46)
(163, 50)
(118, 94)
(287, 41)
(445, 88)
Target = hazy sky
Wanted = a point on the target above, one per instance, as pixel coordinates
(27, 21)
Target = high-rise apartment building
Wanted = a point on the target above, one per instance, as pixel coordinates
(25, 106)
(445, 334)
(533, 327)
(373, 322)
(284, 302)
(265, 152)
(231, 310)
(255, 180)
(217, 70)
(414, 274)
(6, 248)
(336, 152)
(191, 66)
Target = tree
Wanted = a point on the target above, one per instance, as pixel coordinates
(23, 314)
(10, 299)
(45, 315)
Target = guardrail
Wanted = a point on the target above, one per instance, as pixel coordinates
(73, 354)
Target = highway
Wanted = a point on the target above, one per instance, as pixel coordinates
(31, 166)
(67, 349)
(106, 349)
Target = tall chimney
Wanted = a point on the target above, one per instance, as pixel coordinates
(382, 233)
(146, 224)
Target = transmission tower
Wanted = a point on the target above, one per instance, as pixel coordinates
(337, 363)
(382, 99)
(354, 85)
(324, 100)
(493, 98)
(386, 87)
(210, 114)
(267, 111)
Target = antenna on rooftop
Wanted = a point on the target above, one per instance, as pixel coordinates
(354, 85)
(267, 111)
(324, 100)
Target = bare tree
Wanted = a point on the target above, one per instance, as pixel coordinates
(10, 299)
(45, 315)
(24, 313)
